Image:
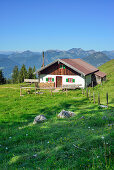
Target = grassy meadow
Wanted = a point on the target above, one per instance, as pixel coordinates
(84, 141)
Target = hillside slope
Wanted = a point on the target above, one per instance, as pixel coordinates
(107, 86)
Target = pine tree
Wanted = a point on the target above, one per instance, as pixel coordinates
(2, 79)
(15, 75)
(34, 69)
(22, 74)
(30, 73)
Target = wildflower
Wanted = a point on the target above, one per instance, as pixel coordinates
(89, 127)
(102, 137)
(26, 134)
(35, 155)
(48, 142)
(6, 148)
(10, 137)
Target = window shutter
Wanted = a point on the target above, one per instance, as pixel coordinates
(73, 80)
(52, 79)
(46, 79)
(66, 80)
(64, 66)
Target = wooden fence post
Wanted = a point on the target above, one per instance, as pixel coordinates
(94, 97)
(84, 92)
(90, 95)
(92, 84)
(107, 98)
(87, 92)
(98, 99)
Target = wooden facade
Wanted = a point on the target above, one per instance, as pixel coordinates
(56, 70)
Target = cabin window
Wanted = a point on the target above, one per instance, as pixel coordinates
(62, 66)
(70, 80)
(50, 79)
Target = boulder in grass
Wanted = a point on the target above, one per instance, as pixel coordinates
(65, 114)
(39, 118)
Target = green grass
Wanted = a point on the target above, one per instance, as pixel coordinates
(72, 143)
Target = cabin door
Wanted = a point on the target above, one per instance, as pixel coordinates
(58, 81)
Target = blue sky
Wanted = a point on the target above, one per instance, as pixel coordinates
(56, 24)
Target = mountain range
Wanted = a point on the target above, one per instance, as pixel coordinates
(8, 59)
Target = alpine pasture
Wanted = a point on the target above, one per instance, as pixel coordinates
(84, 141)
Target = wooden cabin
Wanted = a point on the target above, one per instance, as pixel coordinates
(69, 73)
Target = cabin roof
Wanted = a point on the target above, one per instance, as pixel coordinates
(81, 65)
(76, 64)
(100, 74)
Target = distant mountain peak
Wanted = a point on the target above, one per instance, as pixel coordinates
(27, 51)
(75, 50)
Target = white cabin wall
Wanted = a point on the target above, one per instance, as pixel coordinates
(78, 79)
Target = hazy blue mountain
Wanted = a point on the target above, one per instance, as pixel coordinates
(29, 58)
(7, 66)
(96, 59)
(109, 54)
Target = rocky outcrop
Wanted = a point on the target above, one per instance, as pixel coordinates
(65, 114)
(39, 118)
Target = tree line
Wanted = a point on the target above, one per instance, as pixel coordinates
(18, 76)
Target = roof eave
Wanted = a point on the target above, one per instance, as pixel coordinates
(45, 66)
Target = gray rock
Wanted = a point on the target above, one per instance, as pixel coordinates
(71, 113)
(103, 106)
(39, 118)
(65, 114)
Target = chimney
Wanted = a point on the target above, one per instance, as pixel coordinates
(43, 59)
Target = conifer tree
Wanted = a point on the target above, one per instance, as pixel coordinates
(34, 69)
(15, 75)
(2, 79)
(30, 73)
(22, 74)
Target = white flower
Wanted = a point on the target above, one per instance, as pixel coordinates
(35, 155)
(6, 147)
(89, 127)
(26, 134)
(107, 143)
(48, 142)
(10, 137)
(102, 137)
(92, 129)
(98, 156)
